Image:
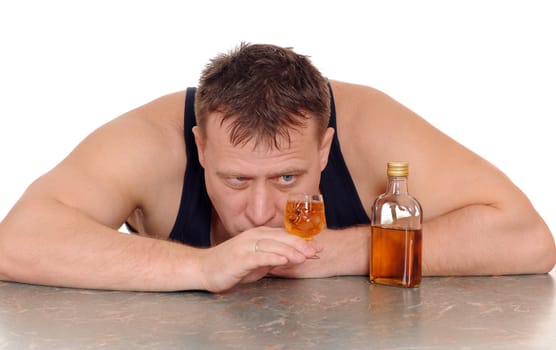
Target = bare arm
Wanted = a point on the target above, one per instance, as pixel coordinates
(460, 252)
(45, 241)
(64, 229)
(477, 222)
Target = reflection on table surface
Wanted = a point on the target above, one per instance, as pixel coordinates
(510, 312)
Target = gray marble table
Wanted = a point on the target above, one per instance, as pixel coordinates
(514, 312)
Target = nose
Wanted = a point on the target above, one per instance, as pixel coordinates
(261, 208)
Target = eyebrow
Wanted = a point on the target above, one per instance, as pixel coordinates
(287, 171)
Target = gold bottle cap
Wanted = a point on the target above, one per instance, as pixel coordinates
(398, 169)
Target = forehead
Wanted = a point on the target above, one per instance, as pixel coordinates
(215, 128)
(300, 150)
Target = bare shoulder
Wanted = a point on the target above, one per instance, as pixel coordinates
(370, 109)
(155, 164)
(163, 113)
(361, 103)
(349, 92)
(135, 161)
(374, 128)
(364, 121)
(155, 128)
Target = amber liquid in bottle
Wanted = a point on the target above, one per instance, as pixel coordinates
(395, 252)
(396, 256)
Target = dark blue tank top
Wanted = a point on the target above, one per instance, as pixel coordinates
(192, 227)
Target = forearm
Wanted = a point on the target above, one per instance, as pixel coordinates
(348, 250)
(475, 240)
(52, 244)
(483, 240)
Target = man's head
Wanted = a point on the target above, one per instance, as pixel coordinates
(266, 89)
(262, 131)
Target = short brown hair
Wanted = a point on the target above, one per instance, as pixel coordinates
(267, 89)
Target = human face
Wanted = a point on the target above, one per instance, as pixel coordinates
(248, 185)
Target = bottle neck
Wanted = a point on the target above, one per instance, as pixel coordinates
(397, 185)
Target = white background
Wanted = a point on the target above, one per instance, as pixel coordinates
(481, 71)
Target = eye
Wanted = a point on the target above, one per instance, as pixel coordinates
(286, 179)
(237, 182)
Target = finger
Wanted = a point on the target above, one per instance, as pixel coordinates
(307, 248)
(290, 252)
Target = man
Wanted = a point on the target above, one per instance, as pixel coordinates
(263, 122)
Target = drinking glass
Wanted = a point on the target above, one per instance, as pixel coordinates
(304, 215)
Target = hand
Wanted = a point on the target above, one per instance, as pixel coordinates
(251, 255)
(346, 252)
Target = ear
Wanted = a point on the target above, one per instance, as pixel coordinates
(200, 142)
(324, 149)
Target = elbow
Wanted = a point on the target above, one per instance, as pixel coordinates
(14, 258)
(4, 269)
(547, 261)
(543, 256)
(550, 260)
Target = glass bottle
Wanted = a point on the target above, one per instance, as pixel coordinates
(396, 233)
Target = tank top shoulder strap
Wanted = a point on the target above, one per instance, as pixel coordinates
(192, 225)
(343, 205)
